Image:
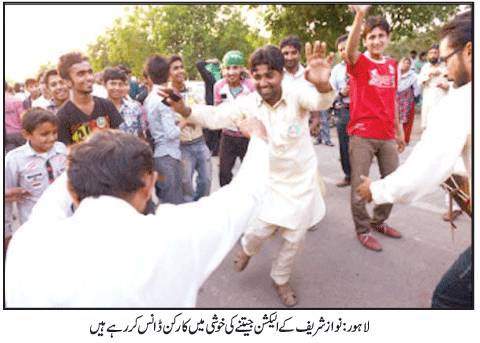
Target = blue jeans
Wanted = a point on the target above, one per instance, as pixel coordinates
(169, 186)
(196, 157)
(455, 288)
(324, 128)
(343, 116)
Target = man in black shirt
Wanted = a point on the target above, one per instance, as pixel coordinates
(83, 113)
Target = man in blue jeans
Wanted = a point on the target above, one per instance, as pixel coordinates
(195, 153)
(339, 82)
(165, 134)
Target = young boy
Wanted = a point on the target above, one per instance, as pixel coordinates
(30, 168)
(374, 127)
(116, 83)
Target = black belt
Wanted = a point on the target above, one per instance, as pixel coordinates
(193, 141)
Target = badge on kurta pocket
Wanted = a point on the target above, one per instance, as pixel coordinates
(294, 130)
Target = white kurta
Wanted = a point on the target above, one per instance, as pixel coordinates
(433, 159)
(431, 93)
(109, 255)
(293, 199)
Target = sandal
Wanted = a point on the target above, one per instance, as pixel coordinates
(286, 294)
(240, 261)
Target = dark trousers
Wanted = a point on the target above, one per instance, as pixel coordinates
(343, 116)
(212, 139)
(455, 288)
(231, 147)
(362, 151)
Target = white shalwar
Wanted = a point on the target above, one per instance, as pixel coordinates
(446, 138)
(293, 201)
(109, 255)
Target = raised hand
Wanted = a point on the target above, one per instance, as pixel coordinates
(363, 9)
(319, 65)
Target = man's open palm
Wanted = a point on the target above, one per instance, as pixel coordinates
(319, 64)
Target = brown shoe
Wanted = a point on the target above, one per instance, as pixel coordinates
(369, 242)
(343, 183)
(240, 261)
(455, 214)
(387, 230)
(286, 294)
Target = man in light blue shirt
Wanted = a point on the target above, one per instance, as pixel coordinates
(339, 82)
(165, 134)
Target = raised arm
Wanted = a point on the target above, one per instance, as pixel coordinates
(353, 40)
(211, 117)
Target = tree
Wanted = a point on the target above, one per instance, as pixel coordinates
(193, 31)
(327, 22)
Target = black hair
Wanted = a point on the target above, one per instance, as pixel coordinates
(48, 74)
(269, 55)
(114, 74)
(157, 68)
(35, 116)
(434, 46)
(109, 162)
(373, 22)
(341, 39)
(125, 68)
(67, 61)
(174, 58)
(292, 41)
(17, 87)
(458, 30)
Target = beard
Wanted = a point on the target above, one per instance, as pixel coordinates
(461, 76)
(433, 60)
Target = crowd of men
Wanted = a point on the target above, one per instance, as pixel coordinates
(131, 150)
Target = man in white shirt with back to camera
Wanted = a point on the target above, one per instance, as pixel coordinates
(108, 254)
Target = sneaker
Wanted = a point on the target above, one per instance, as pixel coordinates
(343, 183)
(455, 214)
(387, 230)
(329, 144)
(240, 260)
(369, 242)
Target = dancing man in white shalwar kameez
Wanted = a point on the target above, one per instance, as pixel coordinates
(293, 202)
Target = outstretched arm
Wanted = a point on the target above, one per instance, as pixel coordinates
(353, 40)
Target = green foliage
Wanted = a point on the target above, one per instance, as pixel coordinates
(192, 31)
(327, 22)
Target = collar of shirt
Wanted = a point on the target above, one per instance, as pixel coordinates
(91, 206)
(45, 155)
(383, 60)
(298, 74)
(259, 100)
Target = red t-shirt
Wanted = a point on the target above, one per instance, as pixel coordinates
(373, 88)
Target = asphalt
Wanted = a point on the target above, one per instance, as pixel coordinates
(334, 270)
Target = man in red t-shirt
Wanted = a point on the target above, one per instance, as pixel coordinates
(374, 127)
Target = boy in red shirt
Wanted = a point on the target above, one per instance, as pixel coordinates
(374, 127)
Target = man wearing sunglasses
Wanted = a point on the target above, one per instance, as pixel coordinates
(433, 159)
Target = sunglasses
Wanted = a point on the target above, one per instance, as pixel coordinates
(446, 58)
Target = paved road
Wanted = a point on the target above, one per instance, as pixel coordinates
(335, 271)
